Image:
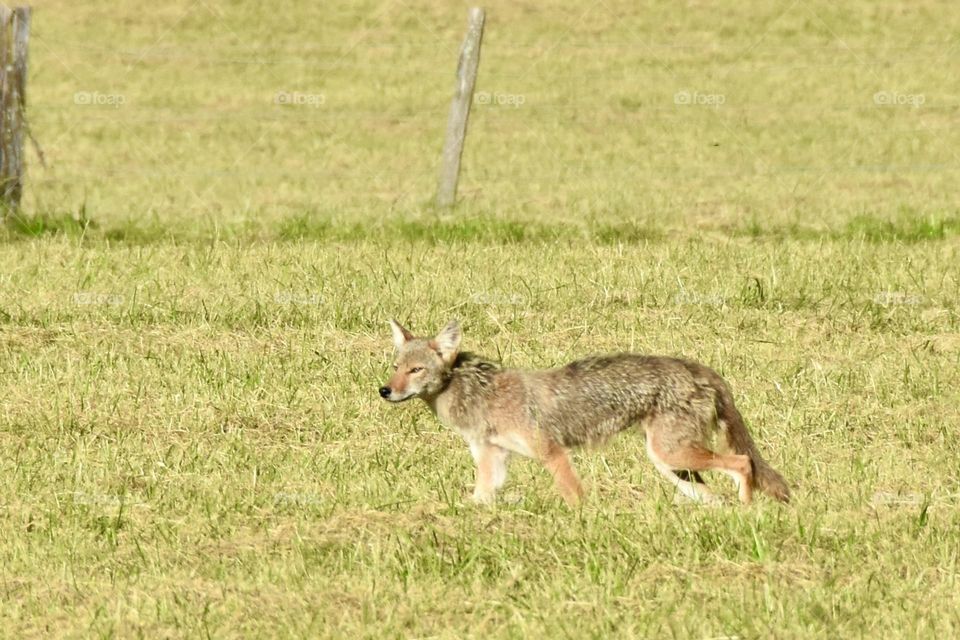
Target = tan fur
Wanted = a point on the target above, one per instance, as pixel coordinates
(542, 414)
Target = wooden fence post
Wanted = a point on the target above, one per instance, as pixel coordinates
(460, 109)
(14, 36)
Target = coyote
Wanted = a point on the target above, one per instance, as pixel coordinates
(541, 414)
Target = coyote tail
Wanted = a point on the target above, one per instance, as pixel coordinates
(765, 477)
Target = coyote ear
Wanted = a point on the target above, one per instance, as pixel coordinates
(400, 335)
(448, 341)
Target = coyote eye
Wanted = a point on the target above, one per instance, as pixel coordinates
(395, 367)
(416, 370)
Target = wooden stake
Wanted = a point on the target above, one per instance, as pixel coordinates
(14, 37)
(460, 109)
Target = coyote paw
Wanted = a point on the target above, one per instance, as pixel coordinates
(701, 497)
(482, 497)
(710, 500)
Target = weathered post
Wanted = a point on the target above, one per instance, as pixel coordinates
(460, 109)
(14, 36)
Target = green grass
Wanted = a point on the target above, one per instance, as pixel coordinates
(193, 311)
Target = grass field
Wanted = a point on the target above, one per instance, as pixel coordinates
(237, 196)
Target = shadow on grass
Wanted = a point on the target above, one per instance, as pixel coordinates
(905, 227)
(465, 230)
(20, 225)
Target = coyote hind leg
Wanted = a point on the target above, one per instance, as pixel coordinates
(558, 464)
(694, 490)
(668, 458)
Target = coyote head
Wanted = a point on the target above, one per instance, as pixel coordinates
(422, 365)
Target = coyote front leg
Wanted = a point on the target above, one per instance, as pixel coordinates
(558, 463)
(491, 463)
